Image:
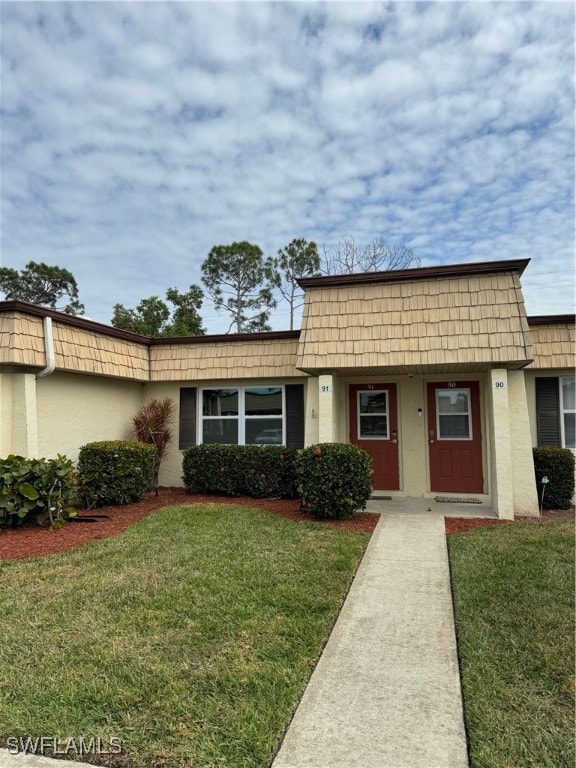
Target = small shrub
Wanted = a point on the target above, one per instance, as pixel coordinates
(36, 488)
(557, 464)
(240, 470)
(114, 472)
(335, 479)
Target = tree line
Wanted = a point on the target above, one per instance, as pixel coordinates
(239, 279)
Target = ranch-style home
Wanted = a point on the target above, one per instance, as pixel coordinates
(437, 372)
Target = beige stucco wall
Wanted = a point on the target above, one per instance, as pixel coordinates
(524, 485)
(75, 409)
(18, 408)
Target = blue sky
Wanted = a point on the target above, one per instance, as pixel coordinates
(137, 135)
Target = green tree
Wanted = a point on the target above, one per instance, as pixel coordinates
(298, 259)
(41, 284)
(239, 281)
(153, 317)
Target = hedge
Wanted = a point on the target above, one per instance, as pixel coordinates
(240, 470)
(114, 472)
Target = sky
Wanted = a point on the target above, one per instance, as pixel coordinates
(138, 135)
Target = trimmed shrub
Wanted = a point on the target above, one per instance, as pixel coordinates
(335, 479)
(36, 488)
(557, 464)
(240, 470)
(114, 472)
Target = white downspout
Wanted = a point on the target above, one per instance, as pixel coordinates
(49, 347)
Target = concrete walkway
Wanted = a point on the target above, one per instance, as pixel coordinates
(386, 691)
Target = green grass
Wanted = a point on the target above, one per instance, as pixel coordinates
(190, 636)
(513, 589)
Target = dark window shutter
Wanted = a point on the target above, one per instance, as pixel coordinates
(187, 417)
(548, 412)
(294, 415)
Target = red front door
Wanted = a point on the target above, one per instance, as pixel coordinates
(374, 427)
(454, 438)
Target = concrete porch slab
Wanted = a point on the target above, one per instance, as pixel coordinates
(420, 505)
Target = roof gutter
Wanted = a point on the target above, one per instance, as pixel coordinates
(49, 347)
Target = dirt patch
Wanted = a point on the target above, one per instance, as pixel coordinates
(32, 541)
(463, 524)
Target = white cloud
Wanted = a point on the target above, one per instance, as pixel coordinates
(138, 135)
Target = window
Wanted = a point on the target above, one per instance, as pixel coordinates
(373, 415)
(556, 412)
(243, 416)
(453, 414)
(254, 415)
(568, 412)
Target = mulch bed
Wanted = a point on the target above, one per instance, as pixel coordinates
(463, 524)
(33, 541)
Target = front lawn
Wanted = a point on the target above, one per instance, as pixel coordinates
(189, 637)
(513, 589)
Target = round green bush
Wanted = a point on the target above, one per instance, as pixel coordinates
(557, 464)
(335, 479)
(114, 472)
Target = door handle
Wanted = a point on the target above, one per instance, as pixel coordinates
(394, 441)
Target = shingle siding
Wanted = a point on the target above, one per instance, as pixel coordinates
(553, 345)
(472, 322)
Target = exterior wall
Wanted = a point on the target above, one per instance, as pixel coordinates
(80, 350)
(21, 340)
(553, 345)
(449, 324)
(171, 469)
(77, 349)
(74, 410)
(524, 485)
(217, 359)
(18, 429)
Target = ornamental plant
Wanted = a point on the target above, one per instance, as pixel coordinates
(152, 424)
(241, 470)
(114, 472)
(37, 489)
(335, 479)
(557, 464)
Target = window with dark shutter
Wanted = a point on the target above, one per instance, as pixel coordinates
(548, 412)
(294, 415)
(187, 436)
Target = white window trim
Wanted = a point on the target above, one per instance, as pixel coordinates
(241, 417)
(386, 414)
(467, 413)
(564, 410)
